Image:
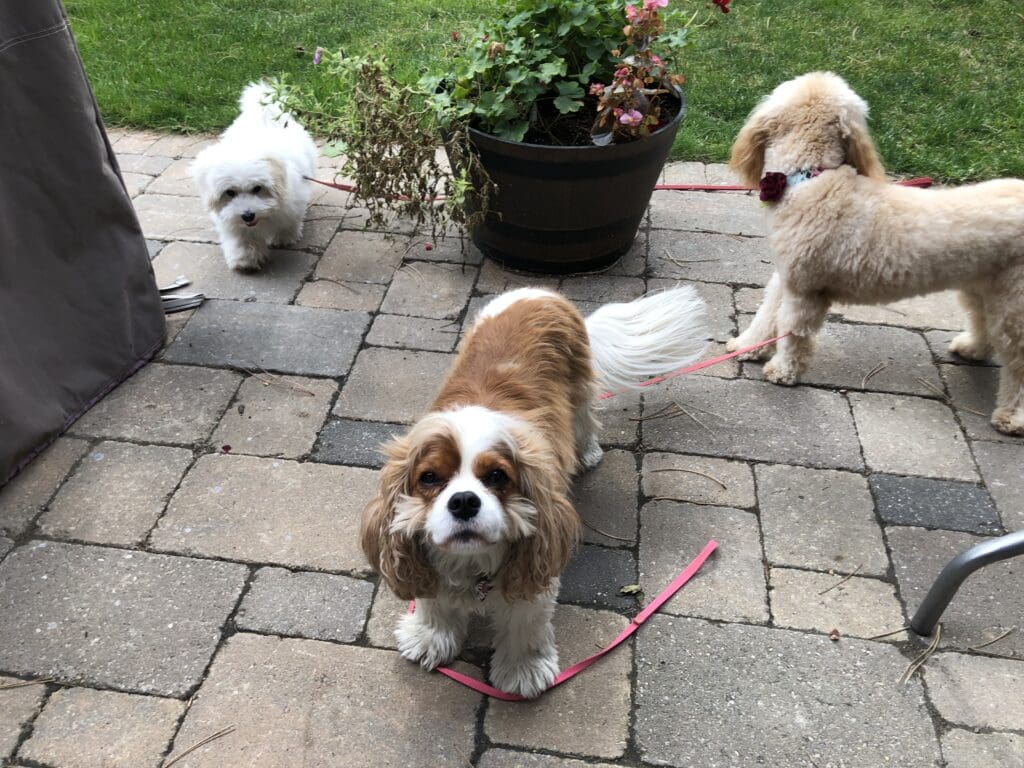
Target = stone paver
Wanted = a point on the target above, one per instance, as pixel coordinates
(977, 691)
(590, 716)
(620, 420)
(494, 278)
(754, 420)
(733, 695)
(83, 728)
(966, 749)
(151, 165)
(169, 217)
(703, 212)
(116, 494)
(365, 257)
(1000, 467)
(17, 707)
(24, 496)
(720, 319)
(128, 620)
(935, 504)
(911, 436)
(449, 249)
(606, 500)
(357, 443)
(162, 403)
(972, 389)
(698, 479)
(936, 310)
(309, 703)
(857, 607)
(136, 183)
(602, 289)
(277, 416)
(413, 333)
(392, 385)
(595, 577)
(505, 758)
(331, 294)
(939, 343)
(989, 602)
(710, 258)
(175, 179)
(819, 519)
(301, 340)
(319, 606)
(731, 584)
(6, 545)
(204, 265)
(432, 290)
(269, 511)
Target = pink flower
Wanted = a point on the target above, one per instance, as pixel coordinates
(630, 12)
(632, 117)
(655, 60)
(317, 55)
(622, 73)
(596, 89)
(650, 5)
(617, 111)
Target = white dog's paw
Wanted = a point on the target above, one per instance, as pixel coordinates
(429, 646)
(967, 346)
(528, 675)
(591, 455)
(781, 372)
(1009, 421)
(244, 260)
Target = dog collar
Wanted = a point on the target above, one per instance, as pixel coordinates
(774, 183)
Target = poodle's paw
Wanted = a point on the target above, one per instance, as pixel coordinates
(763, 353)
(427, 645)
(245, 260)
(1009, 421)
(592, 454)
(781, 372)
(967, 346)
(528, 675)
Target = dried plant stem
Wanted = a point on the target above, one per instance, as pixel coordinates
(202, 743)
(843, 580)
(694, 472)
(275, 380)
(659, 414)
(337, 282)
(695, 419)
(681, 263)
(595, 529)
(986, 644)
(917, 663)
(867, 377)
(947, 399)
(23, 683)
(889, 634)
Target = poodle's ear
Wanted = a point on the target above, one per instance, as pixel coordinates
(393, 549)
(201, 170)
(539, 555)
(747, 158)
(860, 149)
(278, 176)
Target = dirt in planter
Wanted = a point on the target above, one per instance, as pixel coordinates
(550, 127)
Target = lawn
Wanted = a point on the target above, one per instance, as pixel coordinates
(944, 78)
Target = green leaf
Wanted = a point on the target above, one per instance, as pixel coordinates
(551, 69)
(570, 88)
(566, 105)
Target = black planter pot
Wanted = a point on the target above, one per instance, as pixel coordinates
(567, 209)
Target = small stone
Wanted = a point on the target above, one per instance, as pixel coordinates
(432, 290)
(605, 498)
(83, 728)
(698, 479)
(977, 691)
(392, 385)
(355, 443)
(935, 504)
(26, 494)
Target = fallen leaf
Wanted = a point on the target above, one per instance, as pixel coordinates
(631, 589)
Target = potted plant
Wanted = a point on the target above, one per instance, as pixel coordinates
(556, 118)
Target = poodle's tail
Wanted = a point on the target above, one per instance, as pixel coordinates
(258, 102)
(647, 337)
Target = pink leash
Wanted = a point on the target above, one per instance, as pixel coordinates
(579, 666)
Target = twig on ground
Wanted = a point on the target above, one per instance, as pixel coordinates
(917, 663)
(867, 377)
(695, 419)
(843, 580)
(23, 683)
(595, 529)
(659, 414)
(202, 743)
(889, 634)
(694, 472)
(681, 263)
(947, 399)
(272, 379)
(986, 644)
(417, 275)
(338, 282)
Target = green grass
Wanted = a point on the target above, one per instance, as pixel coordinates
(944, 79)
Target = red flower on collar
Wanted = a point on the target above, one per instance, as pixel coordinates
(773, 185)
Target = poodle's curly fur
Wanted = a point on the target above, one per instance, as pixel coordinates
(849, 236)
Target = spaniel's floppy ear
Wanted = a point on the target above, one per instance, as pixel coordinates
(397, 554)
(860, 149)
(747, 158)
(539, 556)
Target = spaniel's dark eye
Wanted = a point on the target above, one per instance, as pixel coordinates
(230, 193)
(257, 189)
(429, 478)
(495, 478)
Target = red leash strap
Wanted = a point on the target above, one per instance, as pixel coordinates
(571, 672)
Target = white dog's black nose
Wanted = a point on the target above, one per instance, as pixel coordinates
(464, 505)
(248, 217)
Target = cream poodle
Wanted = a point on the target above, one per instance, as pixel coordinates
(841, 233)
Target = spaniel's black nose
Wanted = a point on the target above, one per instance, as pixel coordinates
(248, 217)
(464, 505)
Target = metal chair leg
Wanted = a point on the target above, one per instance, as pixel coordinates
(957, 571)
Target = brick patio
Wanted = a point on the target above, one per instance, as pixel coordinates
(184, 560)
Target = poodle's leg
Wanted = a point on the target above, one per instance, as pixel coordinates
(764, 324)
(802, 316)
(1008, 417)
(585, 427)
(433, 633)
(525, 659)
(1005, 310)
(974, 343)
(242, 253)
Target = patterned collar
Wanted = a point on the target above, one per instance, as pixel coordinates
(774, 183)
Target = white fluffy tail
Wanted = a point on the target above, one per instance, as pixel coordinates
(647, 337)
(257, 102)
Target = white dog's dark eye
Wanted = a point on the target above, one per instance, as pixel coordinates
(429, 478)
(495, 477)
(230, 193)
(257, 189)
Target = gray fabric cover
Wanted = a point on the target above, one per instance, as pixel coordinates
(79, 309)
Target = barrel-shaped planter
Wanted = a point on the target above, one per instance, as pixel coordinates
(567, 209)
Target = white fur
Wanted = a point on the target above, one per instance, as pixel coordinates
(499, 304)
(266, 150)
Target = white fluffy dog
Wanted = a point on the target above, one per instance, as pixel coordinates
(841, 233)
(251, 181)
